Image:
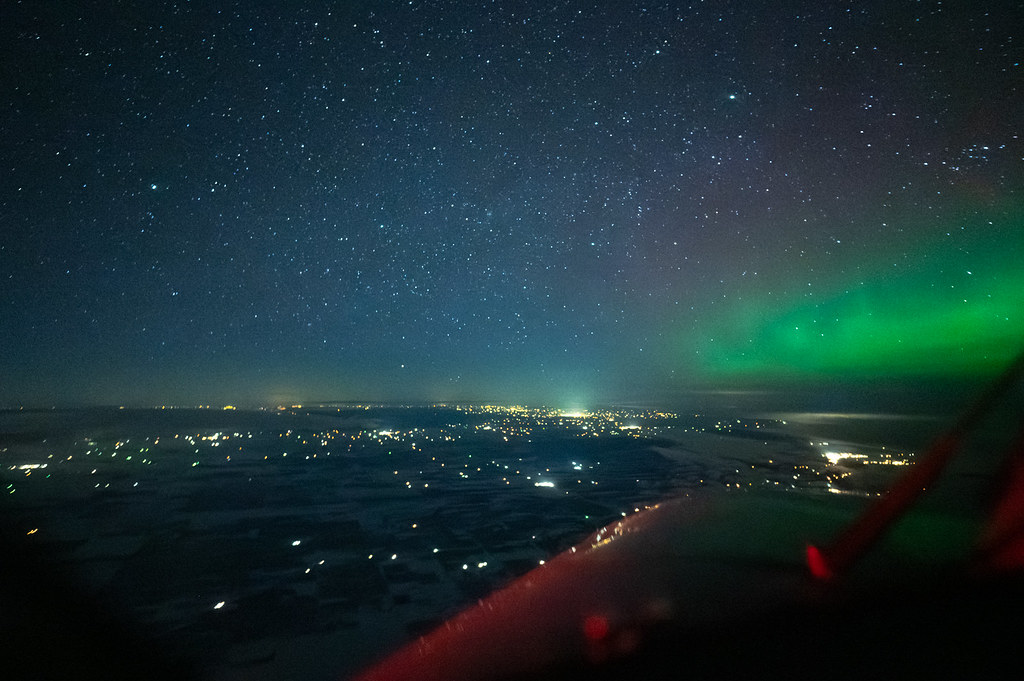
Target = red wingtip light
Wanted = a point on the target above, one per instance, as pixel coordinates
(596, 628)
(817, 563)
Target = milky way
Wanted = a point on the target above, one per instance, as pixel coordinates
(548, 202)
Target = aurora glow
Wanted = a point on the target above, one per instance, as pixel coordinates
(953, 308)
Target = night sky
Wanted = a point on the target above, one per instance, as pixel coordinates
(552, 202)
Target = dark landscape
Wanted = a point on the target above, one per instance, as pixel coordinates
(304, 542)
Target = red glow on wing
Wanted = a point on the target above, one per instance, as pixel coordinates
(1002, 543)
(595, 628)
(817, 563)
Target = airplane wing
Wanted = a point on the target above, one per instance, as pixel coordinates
(717, 584)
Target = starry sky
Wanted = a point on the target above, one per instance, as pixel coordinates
(551, 202)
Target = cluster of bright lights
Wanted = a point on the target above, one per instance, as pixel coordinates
(835, 457)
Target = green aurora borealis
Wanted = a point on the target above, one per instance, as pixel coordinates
(939, 311)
